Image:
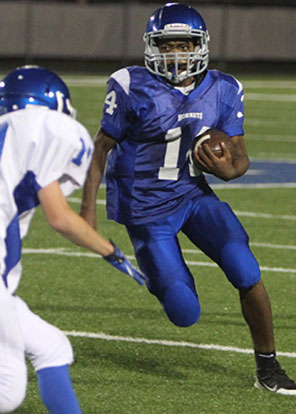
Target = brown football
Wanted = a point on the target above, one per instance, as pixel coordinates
(213, 138)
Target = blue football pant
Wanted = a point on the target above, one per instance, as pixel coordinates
(213, 227)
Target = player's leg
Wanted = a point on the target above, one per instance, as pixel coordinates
(13, 372)
(159, 256)
(51, 353)
(257, 313)
(217, 231)
(214, 228)
(56, 390)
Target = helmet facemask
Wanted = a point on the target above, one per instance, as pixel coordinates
(176, 67)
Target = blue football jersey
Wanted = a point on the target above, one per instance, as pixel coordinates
(150, 171)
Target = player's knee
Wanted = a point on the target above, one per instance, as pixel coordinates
(58, 353)
(240, 265)
(181, 305)
(12, 389)
(9, 404)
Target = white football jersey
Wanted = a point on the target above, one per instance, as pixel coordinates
(37, 147)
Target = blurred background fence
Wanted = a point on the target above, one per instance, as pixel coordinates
(91, 34)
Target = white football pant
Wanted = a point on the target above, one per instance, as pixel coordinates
(13, 371)
(25, 333)
(45, 345)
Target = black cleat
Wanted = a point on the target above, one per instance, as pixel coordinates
(275, 379)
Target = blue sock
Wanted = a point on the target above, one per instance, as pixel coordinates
(56, 390)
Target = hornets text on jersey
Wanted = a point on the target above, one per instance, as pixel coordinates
(150, 172)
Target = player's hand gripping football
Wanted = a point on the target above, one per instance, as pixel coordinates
(216, 153)
(119, 260)
(221, 167)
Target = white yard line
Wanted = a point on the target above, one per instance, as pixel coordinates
(260, 186)
(274, 97)
(271, 138)
(65, 252)
(164, 342)
(274, 246)
(265, 215)
(237, 212)
(86, 81)
(270, 84)
(253, 244)
(78, 201)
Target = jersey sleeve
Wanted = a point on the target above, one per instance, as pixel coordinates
(116, 107)
(63, 154)
(232, 108)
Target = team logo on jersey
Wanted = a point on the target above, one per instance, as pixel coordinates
(197, 115)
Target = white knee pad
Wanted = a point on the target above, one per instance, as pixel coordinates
(13, 383)
(45, 345)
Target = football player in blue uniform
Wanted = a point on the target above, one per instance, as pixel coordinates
(151, 117)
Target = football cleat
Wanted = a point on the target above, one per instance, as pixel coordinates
(275, 379)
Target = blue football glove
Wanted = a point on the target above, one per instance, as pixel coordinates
(118, 260)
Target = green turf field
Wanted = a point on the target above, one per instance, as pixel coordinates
(129, 358)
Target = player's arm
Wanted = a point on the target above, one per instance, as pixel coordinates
(103, 144)
(65, 221)
(68, 223)
(231, 165)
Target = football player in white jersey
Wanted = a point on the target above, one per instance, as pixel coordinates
(44, 156)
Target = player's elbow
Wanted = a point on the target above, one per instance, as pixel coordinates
(59, 223)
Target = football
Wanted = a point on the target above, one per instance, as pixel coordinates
(213, 138)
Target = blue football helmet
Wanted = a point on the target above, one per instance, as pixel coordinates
(176, 21)
(30, 86)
